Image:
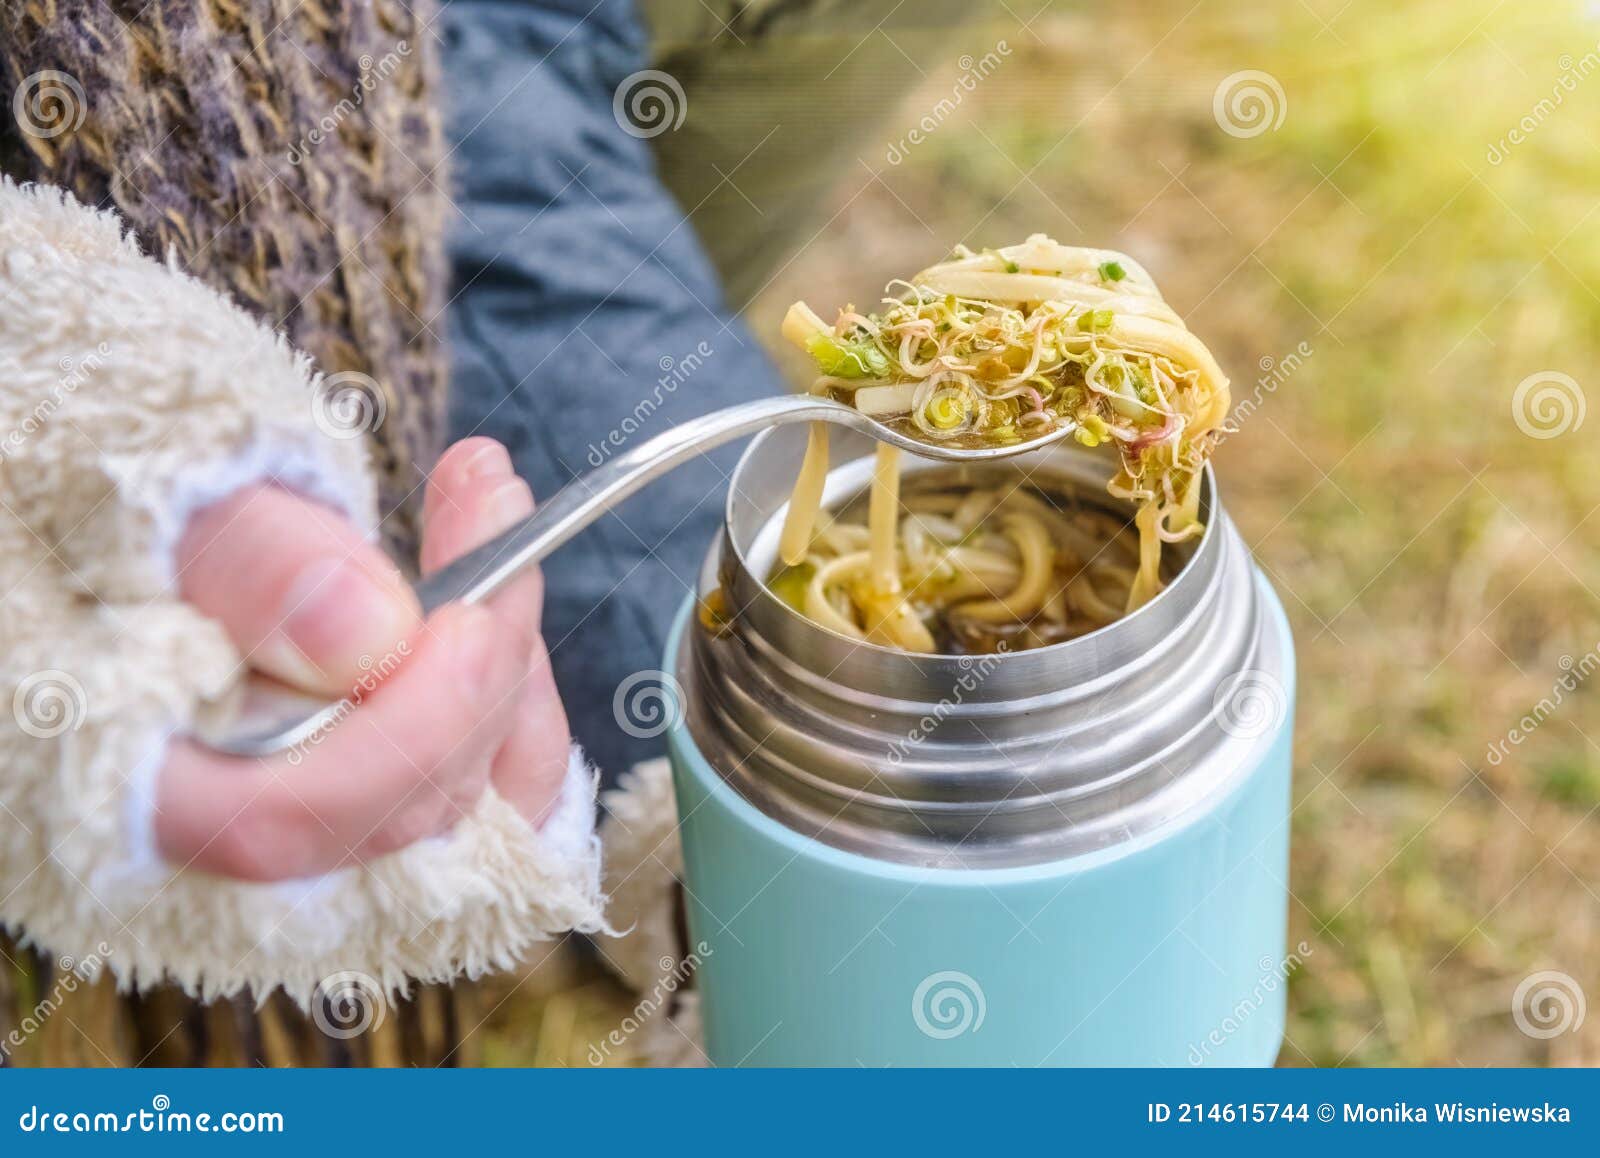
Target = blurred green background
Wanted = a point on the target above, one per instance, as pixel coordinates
(1396, 236)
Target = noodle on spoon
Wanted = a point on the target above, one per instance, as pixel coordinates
(990, 349)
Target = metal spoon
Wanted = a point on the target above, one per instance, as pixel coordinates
(267, 716)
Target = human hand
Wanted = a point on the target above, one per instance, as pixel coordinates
(471, 699)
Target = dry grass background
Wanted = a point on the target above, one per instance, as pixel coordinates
(1437, 563)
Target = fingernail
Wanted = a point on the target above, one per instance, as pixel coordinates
(489, 459)
(336, 612)
(508, 503)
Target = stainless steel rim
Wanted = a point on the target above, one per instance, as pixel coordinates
(975, 761)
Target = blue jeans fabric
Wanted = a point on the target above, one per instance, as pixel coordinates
(585, 316)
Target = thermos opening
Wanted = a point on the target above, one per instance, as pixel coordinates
(967, 760)
(754, 525)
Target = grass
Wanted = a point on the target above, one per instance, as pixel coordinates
(1437, 562)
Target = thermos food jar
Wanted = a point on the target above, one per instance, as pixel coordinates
(1075, 855)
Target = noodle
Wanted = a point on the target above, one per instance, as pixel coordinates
(995, 567)
(1036, 558)
(882, 516)
(806, 500)
(998, 348)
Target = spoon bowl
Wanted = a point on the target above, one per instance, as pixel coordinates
(945, 451)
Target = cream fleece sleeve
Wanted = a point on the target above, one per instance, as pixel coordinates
(130, 395)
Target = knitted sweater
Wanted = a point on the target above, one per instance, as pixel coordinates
(286, 152)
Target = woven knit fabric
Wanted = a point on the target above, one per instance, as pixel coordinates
(287, 152)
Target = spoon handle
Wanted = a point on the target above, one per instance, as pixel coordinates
(480, 573)
(271, 717)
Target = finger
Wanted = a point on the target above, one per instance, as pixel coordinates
(298, 588)
(468, 458)
(406, 763)
(531, 766)
(473, 496)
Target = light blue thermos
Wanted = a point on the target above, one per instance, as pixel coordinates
(1076, 855)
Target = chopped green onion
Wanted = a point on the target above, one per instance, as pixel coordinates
(845, 359)
(948, 410)
(1095, 320)
(1112, 271)
(1013, 267)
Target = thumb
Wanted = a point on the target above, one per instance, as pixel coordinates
(303, 595)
